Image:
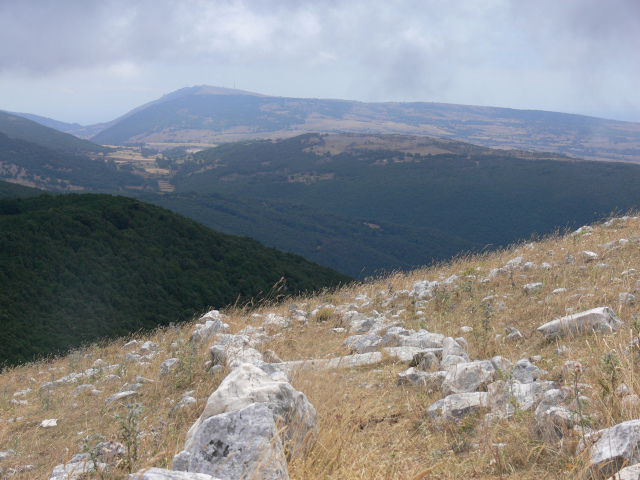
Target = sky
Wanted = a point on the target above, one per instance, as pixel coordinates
(90, 61)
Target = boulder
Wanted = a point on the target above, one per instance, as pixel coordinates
(248, 384)
(617, 446)
(458, 405)
(76, 468)
(168, 366)
(236, 445)
(451, 347)
(507, 396)
(164, 474)
(414, 376)
(526, 372)
(596, 320)
(204, 332)
(468, 377)
(628, 473)
(234, 355)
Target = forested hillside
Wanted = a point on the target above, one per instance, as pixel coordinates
(488, 199)
(76, 268)
(33, 164)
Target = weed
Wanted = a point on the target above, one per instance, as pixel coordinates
(129, 434)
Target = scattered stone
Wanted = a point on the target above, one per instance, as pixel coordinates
(589, 256)
(131, 345)
(168, 366)
(526, 372)
(50, 423)
(164, 474)
(248, 384)
(532, 287)
(626, 298)
(458, 405)
(79, 466)
(414, 376)
(119, 396)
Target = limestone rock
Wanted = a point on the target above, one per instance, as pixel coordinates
(596, 320)
(248, 384)
(233, 355)
(76, 468)
(236, 445)
(204, 332)
(507, 396)
(468, 377)
(167, 366)
(526, 372)
(164, 474)
(617, 446)
(458, 405)
(414, 376)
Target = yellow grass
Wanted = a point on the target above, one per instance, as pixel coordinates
(369, 427)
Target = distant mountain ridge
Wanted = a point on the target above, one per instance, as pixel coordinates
(18, 127)
(205, 114)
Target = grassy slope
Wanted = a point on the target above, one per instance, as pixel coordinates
(75, 268)
(369, 427)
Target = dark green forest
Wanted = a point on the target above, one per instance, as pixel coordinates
(77, 268)
(350, 245)
(487, 200)
(53, 170)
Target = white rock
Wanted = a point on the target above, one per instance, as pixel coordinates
(248, 384)
(596, 320)
(616, 446)
(235, 445)
(168, 366)
(458, 405)
(50, 423)
(413, 376)
(468, 377)
(204, 332)
(164, 474)
(626, 298)
(589, 256)
(532, 287)
(119, 396)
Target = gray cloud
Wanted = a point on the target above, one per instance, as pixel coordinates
(396, 49)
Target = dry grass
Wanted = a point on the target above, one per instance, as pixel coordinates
(369, 427)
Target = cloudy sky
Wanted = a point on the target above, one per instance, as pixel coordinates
(91, 61)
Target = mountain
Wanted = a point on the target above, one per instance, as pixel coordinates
(205, 114)
(76, 268)
(50, 122)
(486, 197)
(18, 127)
(34, 165)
